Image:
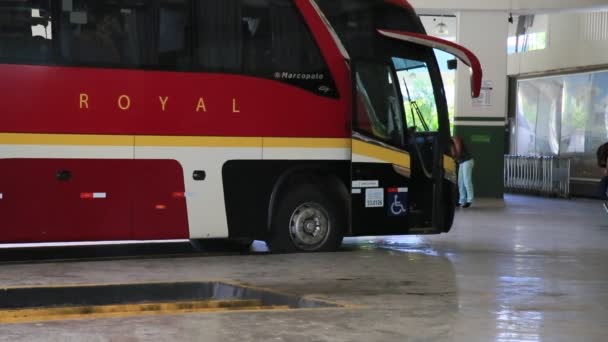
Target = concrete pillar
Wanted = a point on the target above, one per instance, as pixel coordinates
(481, 122)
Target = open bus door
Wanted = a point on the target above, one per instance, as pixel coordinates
(403, 179)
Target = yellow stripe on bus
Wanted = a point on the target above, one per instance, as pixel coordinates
(168, 141)
(307, 142)
(189, 141)
(65, 139)
(385, 154)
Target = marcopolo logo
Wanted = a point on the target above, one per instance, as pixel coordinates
(298, 76)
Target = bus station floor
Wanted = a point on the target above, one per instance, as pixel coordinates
(526, 269)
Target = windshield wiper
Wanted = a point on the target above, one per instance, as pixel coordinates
(414, 108)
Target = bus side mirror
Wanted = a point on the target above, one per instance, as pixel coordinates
(463, 54)
(452, 64)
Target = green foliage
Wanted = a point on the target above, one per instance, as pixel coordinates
(422, 93)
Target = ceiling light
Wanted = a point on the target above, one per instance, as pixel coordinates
(442, 29)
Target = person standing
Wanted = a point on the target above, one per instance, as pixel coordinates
(465, 172)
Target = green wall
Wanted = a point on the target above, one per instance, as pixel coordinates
(486, 143)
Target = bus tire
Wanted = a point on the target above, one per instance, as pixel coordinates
(307, 219)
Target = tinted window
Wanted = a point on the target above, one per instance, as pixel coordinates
(26, 32)
(356, 22)
(175, 35)
(219, 35)
(235, 36)
(107, 33)
(262, 38)
(378, 112)
(297, 58)
(256, 38)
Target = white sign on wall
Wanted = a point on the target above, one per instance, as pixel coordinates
(485, 96)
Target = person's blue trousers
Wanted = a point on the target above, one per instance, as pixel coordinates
(465, 182)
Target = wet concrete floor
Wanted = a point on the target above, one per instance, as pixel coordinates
(529, 269)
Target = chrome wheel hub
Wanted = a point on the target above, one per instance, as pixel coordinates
(309, 226)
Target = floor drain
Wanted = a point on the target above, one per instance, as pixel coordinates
(26, 304)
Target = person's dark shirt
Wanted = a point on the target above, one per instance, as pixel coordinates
(464, 155)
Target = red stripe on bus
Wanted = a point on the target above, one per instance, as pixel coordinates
(65, 100)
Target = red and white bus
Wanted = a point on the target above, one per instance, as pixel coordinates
(277, 120)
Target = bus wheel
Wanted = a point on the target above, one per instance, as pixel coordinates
(307, 220)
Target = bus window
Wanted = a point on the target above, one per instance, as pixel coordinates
(174, 39)
(261, 38)
(256, 38)
(418, 94)
(295, 52)
(26, 32)
(232, 35)
(106, 33)
(378, 110)
(294, 48)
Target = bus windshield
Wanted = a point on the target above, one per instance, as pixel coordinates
(419, 99)
(398, 84)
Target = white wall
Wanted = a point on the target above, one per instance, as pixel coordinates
(430, 24)
(484, 33)
(575, 40)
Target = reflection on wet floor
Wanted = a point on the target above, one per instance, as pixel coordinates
(406, 244)
(534, 275)
(514, 319)
(504, 273)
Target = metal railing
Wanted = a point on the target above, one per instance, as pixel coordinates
(544, 175)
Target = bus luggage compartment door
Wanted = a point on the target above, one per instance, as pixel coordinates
(64, 200)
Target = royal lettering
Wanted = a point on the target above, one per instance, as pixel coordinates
(235, 108)
(201, 105)
(163, 102)
(124, 102)
(84, 101)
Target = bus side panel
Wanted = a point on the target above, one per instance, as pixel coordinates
(51, 99)
(389, 216)
(201, 160)
(65, 200)
(97, 201)
(159, 201)
(27, 203)
(249, 185)
(71, 100)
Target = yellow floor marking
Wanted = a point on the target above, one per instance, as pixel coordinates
(121, 310)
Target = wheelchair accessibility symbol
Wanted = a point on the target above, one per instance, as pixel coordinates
(397, 201)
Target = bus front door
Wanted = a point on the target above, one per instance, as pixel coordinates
(403, 180)
(381, 165)
(433, 171)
